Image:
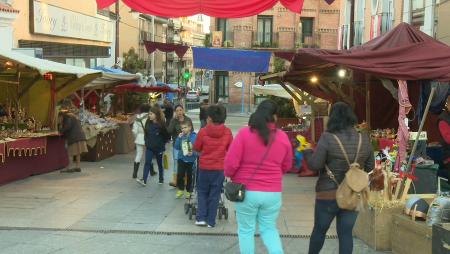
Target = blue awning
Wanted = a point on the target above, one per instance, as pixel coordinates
(231, 60)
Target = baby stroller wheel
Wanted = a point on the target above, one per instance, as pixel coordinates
(219, 213)
(225, 213)
(190, 213)
(186, 208)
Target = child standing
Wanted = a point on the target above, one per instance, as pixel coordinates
(212, 143)
(186, 158)
(156, 137)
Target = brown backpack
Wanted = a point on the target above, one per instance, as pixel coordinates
(353, 192)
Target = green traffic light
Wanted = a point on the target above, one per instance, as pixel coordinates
(186, 75)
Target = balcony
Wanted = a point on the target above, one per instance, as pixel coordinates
(170, 56)
(265, 40)
(386, 22)
(344, 37)
(144, 36)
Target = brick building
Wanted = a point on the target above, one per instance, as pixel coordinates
(274, 29)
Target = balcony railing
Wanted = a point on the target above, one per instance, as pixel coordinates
(265, 40)
(309, 41)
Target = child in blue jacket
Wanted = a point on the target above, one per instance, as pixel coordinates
(186, 158)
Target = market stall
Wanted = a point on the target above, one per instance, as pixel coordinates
(31, 89)
(402, 62)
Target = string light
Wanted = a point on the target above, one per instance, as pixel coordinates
(342, 73)
(314, 79)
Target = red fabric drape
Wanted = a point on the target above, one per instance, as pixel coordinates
(214, 8)
(180, 50)
(139, 89)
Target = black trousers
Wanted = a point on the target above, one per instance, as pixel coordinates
(184, 169)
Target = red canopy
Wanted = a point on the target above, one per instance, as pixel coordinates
(136, 88)
(404, 53)
(180, 50)
(214, 8)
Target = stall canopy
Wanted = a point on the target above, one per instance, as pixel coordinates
(111, 77)
(160, 87)
(214, 8)
(37, 93)
(231, 60)
(400, 54)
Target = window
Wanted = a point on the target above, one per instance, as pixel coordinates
(417, 5)
(222, 25)
(264, 34)
(307, 29)
(222, 85)
(387, 16)
(418, 13)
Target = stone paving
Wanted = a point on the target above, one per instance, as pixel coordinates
(103, 210)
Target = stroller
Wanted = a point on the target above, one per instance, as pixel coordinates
(190, 207)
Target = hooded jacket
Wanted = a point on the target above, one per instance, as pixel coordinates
(138, 128)
(72, 130)
(212, 143)
(190, 139)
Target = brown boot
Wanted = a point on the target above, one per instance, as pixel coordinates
(174, 181)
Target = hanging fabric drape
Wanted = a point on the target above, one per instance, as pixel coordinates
(213, 8)
(403, 132)
(180, 50)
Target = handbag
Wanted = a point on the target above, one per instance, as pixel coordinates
(235, 192)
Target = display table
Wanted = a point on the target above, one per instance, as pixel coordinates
(101, 146)
(27, 157)
(124, 142)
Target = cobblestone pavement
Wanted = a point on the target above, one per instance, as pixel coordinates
(103, 210)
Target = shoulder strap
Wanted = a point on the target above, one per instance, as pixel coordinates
(343, 149)
(264, 156)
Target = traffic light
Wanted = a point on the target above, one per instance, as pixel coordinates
(186, 75)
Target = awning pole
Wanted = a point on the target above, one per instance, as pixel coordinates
(243, 97)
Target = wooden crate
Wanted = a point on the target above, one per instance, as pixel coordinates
(410, 236)
(441, 238)
(374, 227)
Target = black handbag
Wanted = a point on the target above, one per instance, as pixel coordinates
(235, 192)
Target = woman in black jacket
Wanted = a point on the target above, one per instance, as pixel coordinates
(342, 124)
(156, 137)
(70, 128)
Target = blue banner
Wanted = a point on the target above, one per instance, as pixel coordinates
(231, 60)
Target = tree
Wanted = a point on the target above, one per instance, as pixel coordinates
(131, 61)
(278, 64)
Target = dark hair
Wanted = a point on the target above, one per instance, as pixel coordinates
(341, 117)
(178, 106)
(217, 113)
(144, 108)
(160, 119)
(262, 117)
(205, 100)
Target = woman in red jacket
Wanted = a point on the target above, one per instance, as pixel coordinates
(212, 143)
(444, 130)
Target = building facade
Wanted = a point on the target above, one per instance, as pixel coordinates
(70, 32)
(275, 29)
(363, 20)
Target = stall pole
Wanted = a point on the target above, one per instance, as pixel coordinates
(243, 97)
(368, 101)
(413, 151)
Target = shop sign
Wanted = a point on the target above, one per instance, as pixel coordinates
(55, 21)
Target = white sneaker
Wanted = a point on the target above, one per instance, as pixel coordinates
(200, 223)
(141, 182)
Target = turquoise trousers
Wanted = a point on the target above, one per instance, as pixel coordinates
(260, 208)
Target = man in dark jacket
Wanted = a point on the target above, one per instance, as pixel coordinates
(70, 128)
(168, 110)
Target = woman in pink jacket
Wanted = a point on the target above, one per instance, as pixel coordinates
(258, 157)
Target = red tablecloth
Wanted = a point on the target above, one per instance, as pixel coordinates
(15, 168)
(384, 142)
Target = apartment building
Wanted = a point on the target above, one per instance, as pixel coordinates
(275, 29)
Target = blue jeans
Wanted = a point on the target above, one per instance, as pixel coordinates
(262, 208)
(175, 159)
(149, 154)
(209, 187)
(324, 213)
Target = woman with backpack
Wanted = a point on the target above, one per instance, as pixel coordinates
(138, 132)
(328, 154)
(156, 137)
